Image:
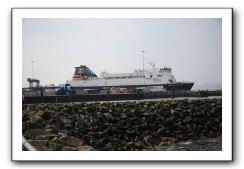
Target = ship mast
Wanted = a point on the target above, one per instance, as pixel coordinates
(143, 66)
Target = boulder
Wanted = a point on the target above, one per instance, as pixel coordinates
(85, 148)
(70, 141)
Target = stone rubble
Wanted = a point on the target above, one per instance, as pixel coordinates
(119, 126)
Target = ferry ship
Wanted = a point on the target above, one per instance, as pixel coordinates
(160, 79)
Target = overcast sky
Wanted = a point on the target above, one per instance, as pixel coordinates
(191, 47)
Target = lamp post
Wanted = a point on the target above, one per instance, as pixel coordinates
(32, 69)
(143, 66)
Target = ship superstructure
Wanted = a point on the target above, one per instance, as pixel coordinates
(160, 78)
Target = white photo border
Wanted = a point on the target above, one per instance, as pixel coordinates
(19, 155)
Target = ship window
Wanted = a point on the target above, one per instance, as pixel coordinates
(170, 80)
(89, 73)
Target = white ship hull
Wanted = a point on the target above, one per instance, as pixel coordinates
(161, 79)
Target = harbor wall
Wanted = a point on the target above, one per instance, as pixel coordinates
(111, 97)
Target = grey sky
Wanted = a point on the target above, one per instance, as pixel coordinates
(191, 47)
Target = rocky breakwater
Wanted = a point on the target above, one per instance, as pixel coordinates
(117, 126)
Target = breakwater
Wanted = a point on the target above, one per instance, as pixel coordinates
(111, 97)
(120, 126)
